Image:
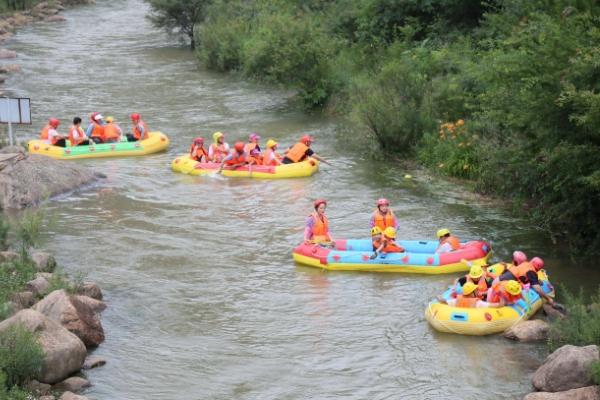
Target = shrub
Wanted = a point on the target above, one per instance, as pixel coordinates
(4, 228)
(13, 277)
(21, 357)
(29, 230)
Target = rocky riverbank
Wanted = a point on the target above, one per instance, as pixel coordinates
(66, 322)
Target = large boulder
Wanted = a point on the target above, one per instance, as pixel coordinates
(92, 290)
(528, 331)
(567, 368)
(64, 353)
(44, 262)
(76, 313)
(38, 286)
(22, 300)
(584, 393)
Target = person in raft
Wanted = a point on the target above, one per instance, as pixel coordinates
(236, 158)
(470, 299)
(197, 150)
(219, 149)
(383, 216)
(478, 276)
(50, 135)
(139, 129)
(270, 157)
(376, 237)
(252, 148)
(388, 244)
(95, 130)
(112, 131)
(317, 225)
(526, 273)
(76, 134)
(448, 242)
(301, 151)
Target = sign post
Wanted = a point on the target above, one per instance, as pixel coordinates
(15, 111)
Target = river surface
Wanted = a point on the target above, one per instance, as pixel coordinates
(204, 299)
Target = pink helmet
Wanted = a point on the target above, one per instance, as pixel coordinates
(383, 202)
(53, 122)
(537, 263)
(254, 136)
(318, 202)
(519, 257)
(199, 140)
(135, 117)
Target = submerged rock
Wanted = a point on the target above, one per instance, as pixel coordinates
(72, 396)
(93, 362)
(528, 331)
(72, 384)
(584, 393)
(567, 368)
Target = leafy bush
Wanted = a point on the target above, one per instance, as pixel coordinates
(13, 277)
(21, 357)
(4, 228)
(29, 229)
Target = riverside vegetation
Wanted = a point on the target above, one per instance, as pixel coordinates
(501, 92)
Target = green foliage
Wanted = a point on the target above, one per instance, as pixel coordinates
(21, 357)
(13, 277)
(71, 285)
(28, 230)
(14, 393)
(178, 15)
(4, 229)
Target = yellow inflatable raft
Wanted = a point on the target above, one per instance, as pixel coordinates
(157, 141)
(485, 321)
(185, 165)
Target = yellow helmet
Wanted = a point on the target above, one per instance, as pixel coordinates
(468, 288)
(442, 232)
(217, 136)
(271, 143)
(513, 287)
(375, 231)
(109, 119)
(390, 232)
(476, 271)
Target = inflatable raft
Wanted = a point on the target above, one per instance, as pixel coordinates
(419, 258)
(485, 321)
(155, 143)
(186, 165)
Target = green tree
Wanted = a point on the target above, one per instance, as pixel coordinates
(178, 15)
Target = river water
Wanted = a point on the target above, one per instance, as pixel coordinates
(204, 299)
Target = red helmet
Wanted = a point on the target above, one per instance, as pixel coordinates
(383, 202)
(199, 140)
(135, 117)
(239, 146)
(306, 139)
(53, 122)
(537, 263)
(318, 202)
(93, 116)
(519, 257)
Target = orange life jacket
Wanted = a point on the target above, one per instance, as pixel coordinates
(219, 151)
(391, 247)
(452, 241)
(137, 133)
(482, 286)
(297, 153)
(499, 291)
(237, 159)
(111, 131)
(383, 221)
(520, 271)
(268, 160)
(466, 302)
(44, 132)
(197, 152)
(376, 244)
(320, 229)
(98, 131)
(80, 138)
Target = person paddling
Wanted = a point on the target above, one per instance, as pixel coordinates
(301, 151)
(236, 158)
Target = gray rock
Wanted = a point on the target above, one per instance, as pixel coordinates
(584, 393)
(43, 261)
(38, 286)
(48, 397)
(72, 384)
(64, 353)
(5, 53)
(528, 331)
(92, 290)
(8, 256)
(567, 368)
(55, 18)
(38, 388)
(96, 306)
(72, 396)
(22, 300)
(552, 313)
(93, 362)
(75, 313)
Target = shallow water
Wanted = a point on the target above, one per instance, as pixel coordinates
(204, 299)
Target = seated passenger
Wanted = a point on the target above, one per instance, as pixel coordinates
(527, 273)
(252, 148)
(95, 130)
(376, 237)
(448, 242)
(112, 131)
(218, 150)
(388, 244)
(317, 225)
(504, 292)
(76, 134)
(383, 216)
(139, 129)
(479, 277)
(301, 151)
(197, 150)
(468, 298)
(236, 158)
(49, 134)
(270, 157)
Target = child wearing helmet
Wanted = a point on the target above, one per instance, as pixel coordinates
(388, 244)
(478, 276)
(219, 149)
(197, 150)
(526, 272)
(383, 216)
(448, 242)
(376, 237)
(139, 129)
(270, 157)
(505, 292)
(50, 135)
(95, 130)
(301, 151)
(236, 158)
(317, 225)
(468, 299)
(76, 134)
(252, 149)
(112, 131)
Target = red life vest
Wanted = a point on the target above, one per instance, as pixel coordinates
(499, 291)
(80, 137)
(197, 152)
(98, 131)
(297, 153)
(137, 133)
(237, 158)
(320, 228)
(482, 286)
(383, 221)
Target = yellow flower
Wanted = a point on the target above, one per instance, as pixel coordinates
(460, 122)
